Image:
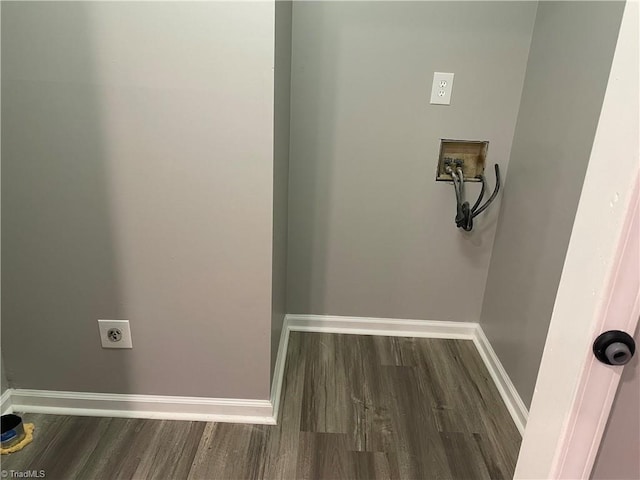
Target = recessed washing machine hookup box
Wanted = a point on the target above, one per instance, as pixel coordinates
(470, 155)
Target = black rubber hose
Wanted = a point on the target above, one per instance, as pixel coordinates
(469, 225)
(463, 216)
(481, 196)
(493, 195)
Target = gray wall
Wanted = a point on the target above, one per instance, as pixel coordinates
(137, 147)
(567, 72)
(618, 456)
(4, 384)
(371, 233)
(282, 96)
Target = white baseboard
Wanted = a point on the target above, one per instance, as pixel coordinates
(143, 406)
(278, 370)
(381, 326)
(425, 329)
(505, 386)
(5, 402)
(262, 411)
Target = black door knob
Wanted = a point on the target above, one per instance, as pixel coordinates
(614, 347)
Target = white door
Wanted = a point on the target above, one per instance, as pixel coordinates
(599, 288)
(618, 457)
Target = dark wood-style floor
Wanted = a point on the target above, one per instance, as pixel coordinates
(356, 407)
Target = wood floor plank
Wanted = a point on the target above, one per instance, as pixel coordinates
(464, 457)
(120, 449)
(352, 407)
(115, 456)
(484, 403)
(170, 453)
(371, 465)
(359, 409)
(440, 385)
(499, 461)
(231, 451)
(283, 441)
(331, 456)
(326, 404)
(376, 426)
(394, 351)
(415, 437)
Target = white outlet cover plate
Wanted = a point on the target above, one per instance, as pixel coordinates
(441, 88)
(105, 325)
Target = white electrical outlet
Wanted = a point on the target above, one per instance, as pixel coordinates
(115, 334)
(441, 88)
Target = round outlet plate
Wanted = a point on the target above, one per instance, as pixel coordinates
(114, 334)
